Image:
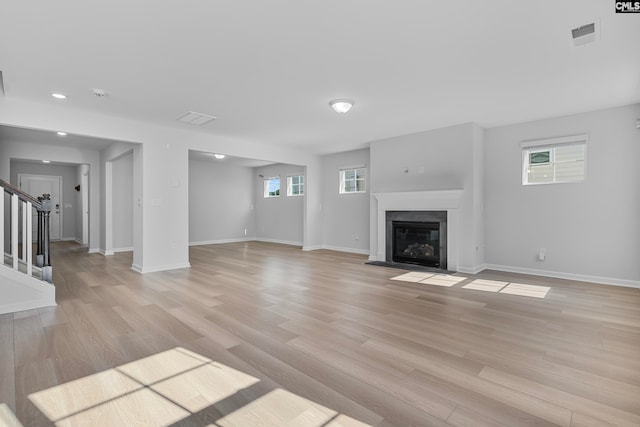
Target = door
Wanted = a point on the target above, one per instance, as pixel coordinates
(84, 188)
(37, 185)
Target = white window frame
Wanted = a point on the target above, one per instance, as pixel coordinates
(300, 185)
(266, 187)
(342, 180)
(536, 146)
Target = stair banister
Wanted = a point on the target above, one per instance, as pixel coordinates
(42, 205)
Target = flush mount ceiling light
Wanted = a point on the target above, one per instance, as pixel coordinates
(59, 96)
(46, 161)
(219, 156)
(62, 133)
(341, 106)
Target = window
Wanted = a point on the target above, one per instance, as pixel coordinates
(352, 180)
(272, 187)
(295, 185)
(552, 161)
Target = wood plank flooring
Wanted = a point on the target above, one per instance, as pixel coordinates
(264, 334)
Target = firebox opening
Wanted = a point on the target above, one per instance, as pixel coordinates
(417, 243)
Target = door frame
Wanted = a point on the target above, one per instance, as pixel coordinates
(21, 176)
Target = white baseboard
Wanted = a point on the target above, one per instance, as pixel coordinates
(349, 250)
(116, 250)
(281, 242)
(68, 239)
(93, 250)
(471, 270)
(105, 252)
(569, 276)
(312, 248)
(221, 241)
(79, 241)
(156, 268)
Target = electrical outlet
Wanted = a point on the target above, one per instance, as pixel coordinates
(542, 254)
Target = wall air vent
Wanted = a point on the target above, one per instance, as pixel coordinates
(194, 118)
(584, 34)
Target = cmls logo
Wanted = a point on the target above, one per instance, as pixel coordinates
(628, 7)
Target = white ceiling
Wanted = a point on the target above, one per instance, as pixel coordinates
(230, 160)
(14, 134)
(268, 69)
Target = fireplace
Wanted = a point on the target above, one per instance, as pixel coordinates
(416, 243)
(417, 237)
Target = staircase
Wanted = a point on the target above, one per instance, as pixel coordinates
(24, 284)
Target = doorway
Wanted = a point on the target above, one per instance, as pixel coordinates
(37, 185)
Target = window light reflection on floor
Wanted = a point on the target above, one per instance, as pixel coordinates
(171, 386)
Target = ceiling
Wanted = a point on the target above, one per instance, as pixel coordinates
(268, 69)
(229, 160)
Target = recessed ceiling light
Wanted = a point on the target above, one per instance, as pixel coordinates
(46, 161)
(59, 96)
(62, 133)
(341, 106)
(219, 156)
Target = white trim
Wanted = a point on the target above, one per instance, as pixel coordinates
(358, 166)
(79, 241)
(221, 241)
(349, 250)
(281, 242)
(136, 268)
(569, 276)
(572, 139)
(114, 250)
(68, 239)
(93, 250)
(105, 252)
(164, 267)
(312, 248)
(437, 200)
(471, 270)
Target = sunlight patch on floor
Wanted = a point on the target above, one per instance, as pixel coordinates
(484, 285)
(526, 290)
(282, 408)
(7, 418)
(170, 387)
(445, 280)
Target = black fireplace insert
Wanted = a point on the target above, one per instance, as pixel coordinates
(417, 243)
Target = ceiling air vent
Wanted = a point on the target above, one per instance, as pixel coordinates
(194, 118)
(584, 34)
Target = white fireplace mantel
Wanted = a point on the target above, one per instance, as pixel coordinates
(437, 200)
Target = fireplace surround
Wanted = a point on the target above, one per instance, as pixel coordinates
(416, 237)
(432, 200)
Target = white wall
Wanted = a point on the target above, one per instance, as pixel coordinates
(221, 196)
(589, 229)
(345, 216)
(279, 219)
(122, 203)
(162, 217)
(441, 159)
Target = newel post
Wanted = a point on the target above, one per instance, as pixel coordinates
(43, 246)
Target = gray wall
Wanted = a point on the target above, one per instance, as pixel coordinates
(590, 228)
(123, 203)
(68, 196)
(278, 219)
(220, 201)
(345, 216)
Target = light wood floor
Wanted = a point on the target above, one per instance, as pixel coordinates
(265, 334)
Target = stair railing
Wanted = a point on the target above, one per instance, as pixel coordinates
(23, 203)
